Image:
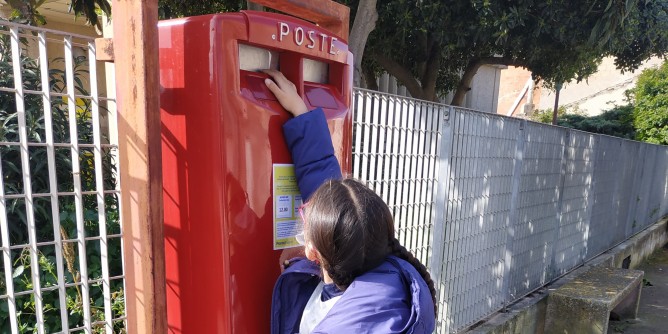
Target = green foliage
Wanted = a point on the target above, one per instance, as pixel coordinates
(66, 206)
(558, 40)
(617, 121)
(168, 9)
(651, 105)
(90, 9)
(26, 11)
(545, 115)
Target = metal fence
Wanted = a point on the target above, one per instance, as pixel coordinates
(59, 206)
(496, 206)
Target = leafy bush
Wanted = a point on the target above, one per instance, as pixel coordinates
(16, 210)
(545, 115)
(617, 121)
(651, 105)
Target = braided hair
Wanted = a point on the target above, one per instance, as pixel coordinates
(353, 230)
(401, 252)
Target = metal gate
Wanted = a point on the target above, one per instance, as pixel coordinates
(59, 201)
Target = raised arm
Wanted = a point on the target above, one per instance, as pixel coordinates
(307, 137)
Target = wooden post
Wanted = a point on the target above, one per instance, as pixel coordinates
(135, 48)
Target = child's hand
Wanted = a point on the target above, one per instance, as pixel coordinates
(290, 253)
(285, 92)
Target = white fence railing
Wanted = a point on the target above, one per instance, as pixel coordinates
(59, 200)
(496, 206)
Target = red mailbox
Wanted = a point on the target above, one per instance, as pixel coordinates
(221, 139)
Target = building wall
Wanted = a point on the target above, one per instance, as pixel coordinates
(600, 92)
(516, 81)
(484, 93)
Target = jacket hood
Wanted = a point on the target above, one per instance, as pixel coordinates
(392, 298)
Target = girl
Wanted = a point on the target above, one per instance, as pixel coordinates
(356, 277)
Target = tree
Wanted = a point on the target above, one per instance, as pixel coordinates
(433, 47)
(364, 17)
(359, 30)
(651, 105)
(169, 9)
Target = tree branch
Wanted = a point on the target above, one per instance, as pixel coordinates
(471, 70)
(401, 73)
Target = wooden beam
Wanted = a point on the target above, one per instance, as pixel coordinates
(104, 48)
(136, 58)
(330, 15)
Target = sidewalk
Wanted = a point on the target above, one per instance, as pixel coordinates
(653, 311)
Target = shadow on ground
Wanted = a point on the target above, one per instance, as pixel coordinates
(653, 311)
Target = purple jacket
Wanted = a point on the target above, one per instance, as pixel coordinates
(307, 137)
(392, 298)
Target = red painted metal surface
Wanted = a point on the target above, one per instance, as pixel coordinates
(221, 135)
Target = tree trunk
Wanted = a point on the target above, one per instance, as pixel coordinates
(555, 112)
(364, 24)
(403, 75)
(465, 82)
(471, 70)
(370, 78)
(430, 73)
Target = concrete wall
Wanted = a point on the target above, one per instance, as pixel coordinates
(484, 93)
(528, 314)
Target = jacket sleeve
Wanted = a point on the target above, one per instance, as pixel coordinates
(291, 293)
(310, 144)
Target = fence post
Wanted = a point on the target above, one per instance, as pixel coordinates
(592, 195)
(640, 158)
(443, 182)
(512, 216)
(560, 202)
(136, 59)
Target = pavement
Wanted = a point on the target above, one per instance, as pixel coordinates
(653, 310)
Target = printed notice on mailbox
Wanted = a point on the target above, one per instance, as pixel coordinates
(287, 199)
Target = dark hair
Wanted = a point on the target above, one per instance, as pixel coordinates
(353, 230)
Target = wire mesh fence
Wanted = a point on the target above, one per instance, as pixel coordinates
(59, 206)
(498, 207)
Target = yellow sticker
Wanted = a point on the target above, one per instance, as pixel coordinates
(287, 200)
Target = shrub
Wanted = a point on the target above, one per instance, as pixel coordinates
(16, 212)
(617, 121)
(651, 105)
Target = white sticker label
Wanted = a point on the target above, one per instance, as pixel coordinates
(283, 206)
